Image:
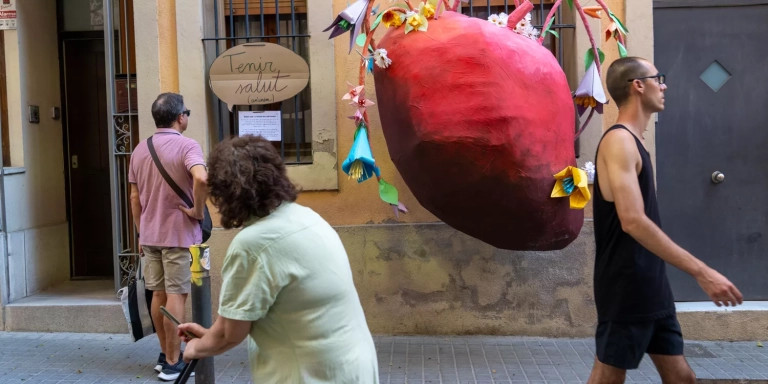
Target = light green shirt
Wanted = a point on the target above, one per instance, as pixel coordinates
(289, 274)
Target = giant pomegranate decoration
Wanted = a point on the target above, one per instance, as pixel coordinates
(477, 120)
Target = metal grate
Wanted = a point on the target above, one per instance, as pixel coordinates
(124, 132)
(282, 22)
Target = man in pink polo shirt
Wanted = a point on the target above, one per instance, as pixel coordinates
(166, 225)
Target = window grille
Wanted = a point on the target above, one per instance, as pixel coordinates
(282, 22)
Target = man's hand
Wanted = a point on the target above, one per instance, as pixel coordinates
(719, 289)
(192, 212)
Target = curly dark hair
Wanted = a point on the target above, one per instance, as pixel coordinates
(247, 179)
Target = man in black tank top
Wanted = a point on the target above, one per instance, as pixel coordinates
(635, 307)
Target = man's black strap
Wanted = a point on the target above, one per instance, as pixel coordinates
(166, 176)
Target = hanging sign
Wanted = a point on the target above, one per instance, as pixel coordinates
(8, 14)
(258, 73)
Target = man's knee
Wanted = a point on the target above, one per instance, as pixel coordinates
(606, 374)
(683, 376)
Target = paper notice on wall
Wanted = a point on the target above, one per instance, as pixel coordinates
(8, 14)
(267, 124)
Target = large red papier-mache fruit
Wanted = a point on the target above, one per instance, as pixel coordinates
(477, 120)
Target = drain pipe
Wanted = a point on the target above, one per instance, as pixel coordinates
(6, 277)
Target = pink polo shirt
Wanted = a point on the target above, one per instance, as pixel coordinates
(162, 222)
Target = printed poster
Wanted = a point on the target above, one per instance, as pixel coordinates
(267, 124)
(8, 14)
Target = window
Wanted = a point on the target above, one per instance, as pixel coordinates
(276, 22)
(308, 142)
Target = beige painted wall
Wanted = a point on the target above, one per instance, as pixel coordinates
(35, 198)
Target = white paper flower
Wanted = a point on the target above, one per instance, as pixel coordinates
(589, 168)
(500, 19)
(525, 28)
(381, 59)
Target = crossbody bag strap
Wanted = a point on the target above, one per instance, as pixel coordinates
(166, 176)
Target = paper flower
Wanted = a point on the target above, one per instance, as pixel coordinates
(593, 11)
(360, 164)
(427, 10)
(572, 182)
(500, 19)
(351, 18)
(353, 91)
(590, 92)
(360, 100)
(380, 56)
(525, 27)
(415, 21)
(589, 168)
(392, 18)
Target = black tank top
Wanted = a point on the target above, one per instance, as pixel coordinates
(630, 282)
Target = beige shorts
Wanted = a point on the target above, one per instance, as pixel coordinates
(167, 269)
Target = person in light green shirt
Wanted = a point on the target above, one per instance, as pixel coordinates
(286, 279)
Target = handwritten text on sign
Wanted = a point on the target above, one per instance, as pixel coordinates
(258, 73)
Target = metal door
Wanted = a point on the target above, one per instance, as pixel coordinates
(712, 162)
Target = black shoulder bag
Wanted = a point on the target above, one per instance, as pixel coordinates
(206, 224)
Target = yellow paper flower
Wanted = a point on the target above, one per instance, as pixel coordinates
(392, 18)
(427, 10)
(415, 21)
(572, 181)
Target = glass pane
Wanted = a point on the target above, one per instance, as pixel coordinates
(715, 76)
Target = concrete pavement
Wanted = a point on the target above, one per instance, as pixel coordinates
(113, 358)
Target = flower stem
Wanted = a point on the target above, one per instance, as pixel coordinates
(608, 12)
(589, 33)
(549, 17)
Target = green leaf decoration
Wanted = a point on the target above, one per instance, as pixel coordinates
(377, 21)
(622, 49)
(387, 192)
(590, 57)
(570, 3)
(360, 41)
(548, 30)
(619, 24)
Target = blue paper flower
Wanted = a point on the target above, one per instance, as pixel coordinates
(360, 164)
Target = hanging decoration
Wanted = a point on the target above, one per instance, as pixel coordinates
(477, 116)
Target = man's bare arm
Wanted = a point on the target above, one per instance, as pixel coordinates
(199, 191)
(135, 206)
(618, 158)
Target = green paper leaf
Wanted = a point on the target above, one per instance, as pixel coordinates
(548, 30)
(387, 192)
(590, 57)
(622, 49)
(619, 24)
(570, 3)
(360, 39)
(377, 21)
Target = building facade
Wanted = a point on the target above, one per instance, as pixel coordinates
(66, 220)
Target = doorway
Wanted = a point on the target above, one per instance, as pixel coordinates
(711, 139)
(87, 154)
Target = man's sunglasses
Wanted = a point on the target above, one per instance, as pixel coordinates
(186, 112)
(660, 78)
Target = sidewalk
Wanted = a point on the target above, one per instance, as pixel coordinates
(110, 358)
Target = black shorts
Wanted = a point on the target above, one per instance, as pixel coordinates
(623, 344)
